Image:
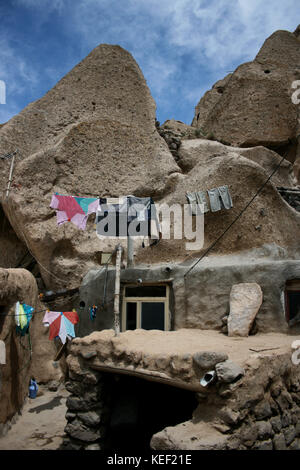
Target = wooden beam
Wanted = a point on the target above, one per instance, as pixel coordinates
(152, 376)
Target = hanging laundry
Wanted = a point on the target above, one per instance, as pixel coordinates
(219, 198)
(61, 324)
(214, 199)
(73, 209)
(93, 312)
(142, 211)
(128, 215)
(111, 217)
(198, 202)
(23, 315)
(225, 197)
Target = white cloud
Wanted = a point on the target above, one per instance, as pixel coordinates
(174, 42)
(15, 70)
(221, 31)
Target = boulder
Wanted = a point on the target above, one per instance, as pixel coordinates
(53, 386)
(212, 165)
(77, 430)
(228, 371)
(201, 151)
(208, 359)
(189, 436)
(245, 301)
(208, 101)
(252, 106)
(92, 134)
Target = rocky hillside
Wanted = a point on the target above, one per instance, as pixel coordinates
(253, 106)
(95, 133)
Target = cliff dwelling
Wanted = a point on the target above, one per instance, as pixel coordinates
(159, 344)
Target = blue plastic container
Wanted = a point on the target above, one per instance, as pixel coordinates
(33, 389)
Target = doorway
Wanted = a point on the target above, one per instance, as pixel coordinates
(292, 301)
(140, 408)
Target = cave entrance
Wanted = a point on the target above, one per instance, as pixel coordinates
(292, 301)
(140, 408)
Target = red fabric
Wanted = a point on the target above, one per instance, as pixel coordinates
(69, 205)
(54, 328)
(72, 316)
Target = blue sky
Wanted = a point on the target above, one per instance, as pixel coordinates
(182, 46)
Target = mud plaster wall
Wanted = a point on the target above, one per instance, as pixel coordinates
(202, 298)
(259, 411)
(20, 285)
(15, 284)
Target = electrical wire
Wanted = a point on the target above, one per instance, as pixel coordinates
(235, 220)
(21, 314)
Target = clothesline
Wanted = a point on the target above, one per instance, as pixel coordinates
(23, 314)
(235, 220)
(127, 208)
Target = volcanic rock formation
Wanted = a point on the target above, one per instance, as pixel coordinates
(253, 106)
(95, 133)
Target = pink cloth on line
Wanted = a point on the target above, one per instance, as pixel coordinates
(69, 210)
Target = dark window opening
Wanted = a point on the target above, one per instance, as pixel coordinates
(131, 315)
(146, 291)
(140, 408)
(153, 316)
(292, 301)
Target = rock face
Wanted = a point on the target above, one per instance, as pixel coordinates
(12, 249)
(245, 301)
(209, 165)
(253, 105)
(199, 151)
(92, 134)
(21, 365)
(95, 134)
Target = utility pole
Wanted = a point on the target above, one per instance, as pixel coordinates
(117, 292)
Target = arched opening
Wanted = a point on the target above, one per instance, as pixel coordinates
(140, 408)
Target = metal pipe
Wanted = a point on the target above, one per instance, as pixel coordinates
(117, 292)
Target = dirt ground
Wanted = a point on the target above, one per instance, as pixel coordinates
(41, 423)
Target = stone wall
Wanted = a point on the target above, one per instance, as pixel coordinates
(259, 412)
(87, 410)
(256, 410)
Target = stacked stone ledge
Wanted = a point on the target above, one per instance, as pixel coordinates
(269, 418)
(87, 412)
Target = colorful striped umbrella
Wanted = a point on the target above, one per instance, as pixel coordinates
(61, 324)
